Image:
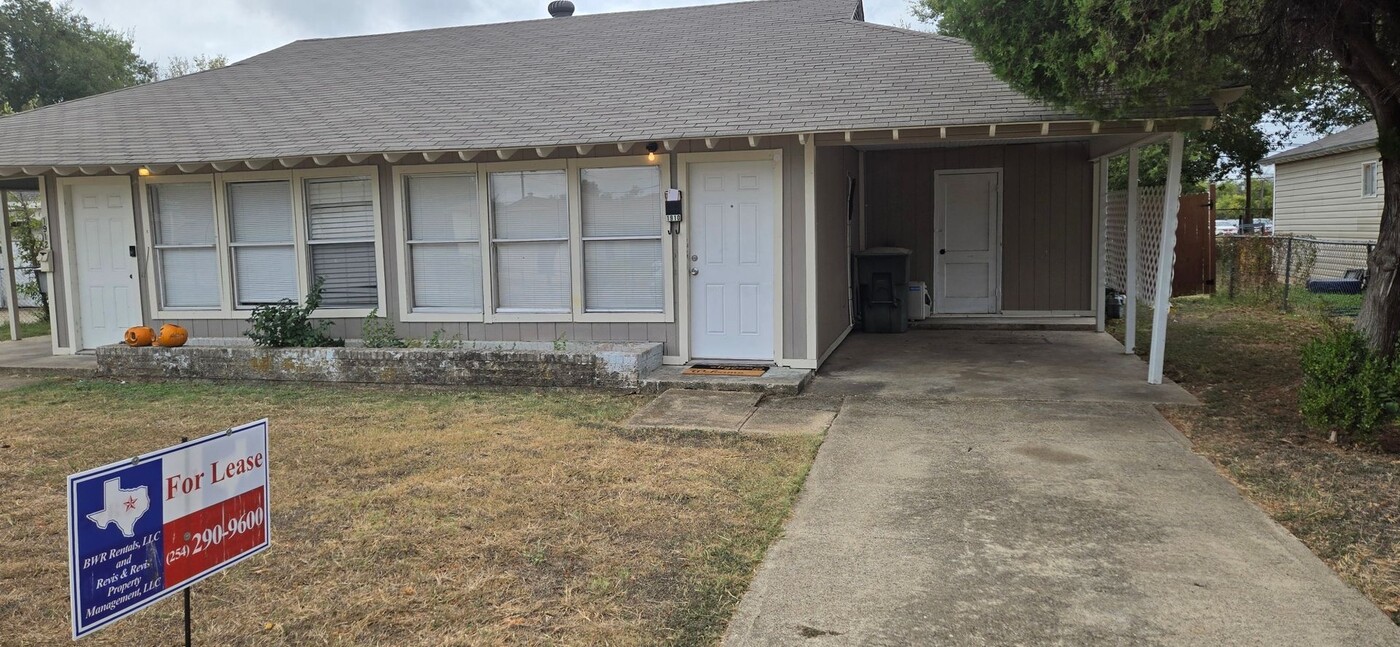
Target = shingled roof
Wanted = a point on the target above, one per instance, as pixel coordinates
(1352, 139)
(750, 68)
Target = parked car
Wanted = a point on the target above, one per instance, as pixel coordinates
(1227, 227)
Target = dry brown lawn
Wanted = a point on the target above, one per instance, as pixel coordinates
(1342, 501)
(415, 517)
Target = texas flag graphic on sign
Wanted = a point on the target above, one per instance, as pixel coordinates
(123, 507)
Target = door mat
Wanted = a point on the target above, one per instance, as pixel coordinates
(725, 369)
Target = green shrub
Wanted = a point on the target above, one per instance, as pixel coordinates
(379, 332)
(287, 325)
(1347, 387)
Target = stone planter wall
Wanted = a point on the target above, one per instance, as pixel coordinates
(579, 364)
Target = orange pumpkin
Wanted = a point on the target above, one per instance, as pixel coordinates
(172, 336)
(140, 336)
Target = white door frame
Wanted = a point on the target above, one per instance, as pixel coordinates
(1001, 201)
(684, 160)
(70, 266)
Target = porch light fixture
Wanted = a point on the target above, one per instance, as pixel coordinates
(143, 171)
(652, 147)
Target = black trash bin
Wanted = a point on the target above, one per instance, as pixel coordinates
(883, 276)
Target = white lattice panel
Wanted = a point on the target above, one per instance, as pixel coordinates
(1150, 216)
(1116, 255)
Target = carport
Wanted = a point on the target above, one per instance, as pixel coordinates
(1006, 222)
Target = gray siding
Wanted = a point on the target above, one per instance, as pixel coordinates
(793, 290)
(1047, 216)
(836, 166)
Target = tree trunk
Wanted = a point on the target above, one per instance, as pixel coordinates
(1379, 321)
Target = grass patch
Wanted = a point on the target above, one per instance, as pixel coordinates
(415, 517)
(1241, 361)
(26, 330)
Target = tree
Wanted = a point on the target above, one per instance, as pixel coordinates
(52, 53)
(1118, 58)
(180, 66)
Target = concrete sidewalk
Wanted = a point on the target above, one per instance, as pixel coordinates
(986, 520)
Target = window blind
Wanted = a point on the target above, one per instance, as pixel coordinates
(623, 267)
(340, 233)
(187, 258)
(530, 212)
(263, 242)
(444, 240)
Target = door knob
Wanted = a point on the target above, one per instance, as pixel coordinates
(942, 251)
(694, 271)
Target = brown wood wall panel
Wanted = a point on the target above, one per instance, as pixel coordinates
(1047, 216)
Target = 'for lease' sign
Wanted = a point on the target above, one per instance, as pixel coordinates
(143, 529)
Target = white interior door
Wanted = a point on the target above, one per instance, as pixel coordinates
(967, 237)
(731, 260)
(103, 237)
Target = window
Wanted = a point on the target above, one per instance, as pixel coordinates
(444, 243)
(186, 247)
(1370, 179)
(622, 240)
(530, 241)
(340, 240)
(263, 241)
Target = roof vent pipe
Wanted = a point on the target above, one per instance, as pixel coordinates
(561, 9)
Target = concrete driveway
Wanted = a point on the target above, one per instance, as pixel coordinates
(1020, 488)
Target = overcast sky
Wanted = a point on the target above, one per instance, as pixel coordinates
(241, 28)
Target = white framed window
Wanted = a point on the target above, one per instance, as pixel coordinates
(530, 241)
(340, 226)
(621, 235)
(262, 240)
(442, 220)
(535, 241)
(220, 245)
(186, 245)
(1370, 179)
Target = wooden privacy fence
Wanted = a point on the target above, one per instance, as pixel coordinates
(1194, 270)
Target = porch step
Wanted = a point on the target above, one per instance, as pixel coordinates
(1006, 323)
(776, 381)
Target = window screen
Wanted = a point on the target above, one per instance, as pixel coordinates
(340, 238)
(444, 243)
(622, 241)
(1369, 179)
(530, 212)
(187, 258)
(263, 242)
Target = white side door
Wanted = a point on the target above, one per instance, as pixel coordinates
(967, 237)
(104, 236)
(731, 260)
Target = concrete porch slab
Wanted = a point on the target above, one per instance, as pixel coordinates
(776, 381)
(34, 356)
(1080, 324)
(683, 410)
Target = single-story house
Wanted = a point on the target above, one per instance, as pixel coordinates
(1330, 189)
(508, 182)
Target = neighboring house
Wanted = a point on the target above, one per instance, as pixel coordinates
(1330, 189)
(507, 182)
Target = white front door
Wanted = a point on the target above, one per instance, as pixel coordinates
(731, 260)
(104, 237)
(967, 240)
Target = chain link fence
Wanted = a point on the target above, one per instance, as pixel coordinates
(1293, 272)
(32, 307)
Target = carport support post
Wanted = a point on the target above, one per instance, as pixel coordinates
(1101, 242)
(1130, 245)
(1166, 257)
(7, 258)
